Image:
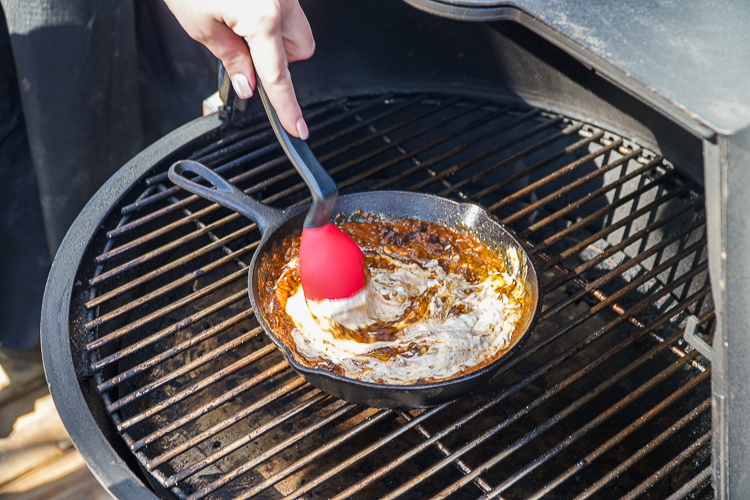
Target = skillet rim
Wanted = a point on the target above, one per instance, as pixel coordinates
(485, 371)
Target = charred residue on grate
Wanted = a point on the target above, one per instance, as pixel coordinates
(605, 399)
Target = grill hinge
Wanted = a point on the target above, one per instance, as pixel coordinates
(694, 340)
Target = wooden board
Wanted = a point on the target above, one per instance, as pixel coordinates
(65, 477)
(37, 459)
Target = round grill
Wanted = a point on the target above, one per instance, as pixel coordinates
(605, 400)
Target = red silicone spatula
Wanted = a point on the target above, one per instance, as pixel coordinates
(331, 264)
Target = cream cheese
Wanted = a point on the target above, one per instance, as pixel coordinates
(463, 324)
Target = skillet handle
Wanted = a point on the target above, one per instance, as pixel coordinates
(225, 194)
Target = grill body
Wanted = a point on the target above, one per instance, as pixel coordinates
(163, 378)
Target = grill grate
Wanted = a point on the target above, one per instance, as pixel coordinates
(606, 399)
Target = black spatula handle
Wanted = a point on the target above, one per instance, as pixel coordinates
(323, 188)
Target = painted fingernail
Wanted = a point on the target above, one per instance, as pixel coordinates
(242, 86)
(302, 129)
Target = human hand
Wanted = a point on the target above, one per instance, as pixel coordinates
(277, 33)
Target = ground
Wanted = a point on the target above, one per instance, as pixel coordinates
(37, 458)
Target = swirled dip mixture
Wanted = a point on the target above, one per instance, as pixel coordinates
(439, 304)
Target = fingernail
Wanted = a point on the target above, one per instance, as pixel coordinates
(302, 129)
(242, 86)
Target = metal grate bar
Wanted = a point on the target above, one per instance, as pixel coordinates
(551, 422)
(215, 403)
(548, 424)
(706, 405)
(541, 164)
(289, 395)
(693, 204)
(183, 346)
(260, 186)
(557, 334)
(200, 225)
(312, 457)
(340, 408)
(132, 348)
(685, 231)
(547, 141)
(446, 452)
(391, 143)
(171, 286)
(218, 146)
(282, 159)
(599, 420)
(271, 147)
(427, 167)
(342, 132)
(163, 230)
(492, 169)
(96, 343)
(519, 193)
(592, 287)
(247, 131)
(178, 304)
(235, 216)
(664, 471)
(115, 271)
(394, 142)
(598, 214)
(274, 145)
(494, 132)
(202, 464)
(139, 241)
(310, 398)
(201, 384)
(528, 170)
(364, 453)
(550, 365)
(372, 153)
(207, 311)
(580, 182)
(658, 182)
(240, 144)
(603, 298)
(145, 299)
(699, 481)
(609, 301)
(614, 473)
(450, 135)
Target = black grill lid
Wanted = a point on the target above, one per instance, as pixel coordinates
(689, 59)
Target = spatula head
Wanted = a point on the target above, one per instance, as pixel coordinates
(331, 264)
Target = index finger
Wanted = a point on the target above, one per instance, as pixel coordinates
(269, 57)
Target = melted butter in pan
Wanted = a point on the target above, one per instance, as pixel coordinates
(444, 305)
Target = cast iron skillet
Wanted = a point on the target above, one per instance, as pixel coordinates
(275, 225)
